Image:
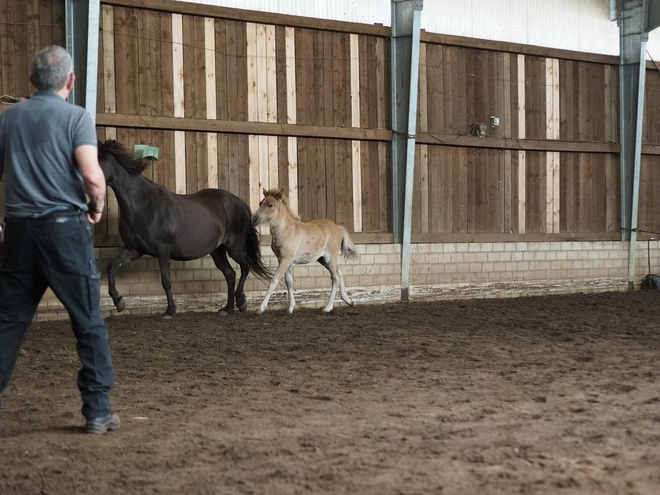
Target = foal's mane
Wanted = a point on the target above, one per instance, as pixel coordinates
(124, 157)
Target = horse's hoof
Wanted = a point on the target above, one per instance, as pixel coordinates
(167, 317)
(223, 312)
(121, 304)
(259, 311)
(242, 307)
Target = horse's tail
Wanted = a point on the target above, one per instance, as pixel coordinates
(253, 253)
(347, 247)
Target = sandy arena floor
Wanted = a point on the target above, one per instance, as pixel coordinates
(545, 395)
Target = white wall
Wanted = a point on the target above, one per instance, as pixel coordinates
(579, 25)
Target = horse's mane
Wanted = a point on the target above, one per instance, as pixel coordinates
(124, 157)
(278, 194)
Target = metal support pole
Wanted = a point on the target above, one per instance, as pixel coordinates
(410, 154)
(406, 21)
(637, 165)
(82, 42)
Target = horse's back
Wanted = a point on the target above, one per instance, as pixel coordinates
(225, 205)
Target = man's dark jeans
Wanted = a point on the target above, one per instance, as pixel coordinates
(56, 251)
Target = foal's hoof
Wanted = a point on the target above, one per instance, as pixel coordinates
(167, 317)
(121, 304)
(223, 312)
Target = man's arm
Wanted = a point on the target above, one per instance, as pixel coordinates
(93, 178)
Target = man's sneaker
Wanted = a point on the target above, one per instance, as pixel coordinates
(102, 424)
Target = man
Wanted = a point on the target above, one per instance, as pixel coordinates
(49, 160)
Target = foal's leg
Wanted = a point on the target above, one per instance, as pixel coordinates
(284, 264)
(342, 288)
(331, 266)
(288, 278)
(220, 259)
(125, 256)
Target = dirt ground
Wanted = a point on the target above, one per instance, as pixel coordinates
(542, 395)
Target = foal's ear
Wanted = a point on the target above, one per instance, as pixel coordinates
(279, 193)
(265, 192)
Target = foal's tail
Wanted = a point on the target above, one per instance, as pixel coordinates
(347, 247)
(253, 253)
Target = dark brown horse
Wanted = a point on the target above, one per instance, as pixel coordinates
(2, 241)
(165, 225)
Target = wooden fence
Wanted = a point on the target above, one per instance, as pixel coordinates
(245, 100)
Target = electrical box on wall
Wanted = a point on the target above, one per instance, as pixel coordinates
(494, 121)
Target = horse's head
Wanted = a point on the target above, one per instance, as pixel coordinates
(114, 157)
(269, 207)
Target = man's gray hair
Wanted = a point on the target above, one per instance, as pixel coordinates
(51, 68)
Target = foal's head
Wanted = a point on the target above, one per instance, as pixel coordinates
(271, 206)
(111, 154)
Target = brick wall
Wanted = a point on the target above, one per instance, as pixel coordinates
(438, 271)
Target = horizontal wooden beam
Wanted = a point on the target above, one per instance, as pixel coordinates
(188, 8)
(518, 48)
(239, 127)
(114, 240)
(518, 144)
(526, 237)
(103, 240)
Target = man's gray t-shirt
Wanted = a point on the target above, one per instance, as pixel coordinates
(37, 140)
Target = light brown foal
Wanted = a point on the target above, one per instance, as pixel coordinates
(298, 243)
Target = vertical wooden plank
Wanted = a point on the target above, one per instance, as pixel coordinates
(291, 116)
(143, 60)
(273, 162)
(522, 192)
(177, 65)
(21, 54)
(566, 85)
(7, 66)
(507, 125)
(179, 103)
(270, 75)
(424, 187)
(508, 223)
(522, 133)
(253, 167)
(552, 132)
(126, 64)
(166, 58)
(422, 114)
(302, 70)
(251, 38)
(355, 122)
(110, 103)
(211, 102)
(326, 88)
(33, 27)
(612, 223)
(382, 85)
(552, 98)
(383, 203)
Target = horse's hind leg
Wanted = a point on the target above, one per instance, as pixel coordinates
(331, 266)
(164, 264)
(342, 288)
(222, 263)
(125, 256)
(237, 254)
